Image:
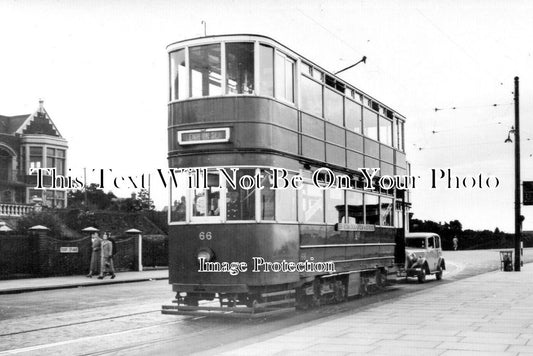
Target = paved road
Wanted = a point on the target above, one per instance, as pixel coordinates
(125, 319)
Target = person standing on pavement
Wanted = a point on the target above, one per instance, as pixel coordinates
(107, 255)
(112, 258)
(455, 243)
(96, 245)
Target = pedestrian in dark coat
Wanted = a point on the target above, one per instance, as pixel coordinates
(96, 246)
(107, 258)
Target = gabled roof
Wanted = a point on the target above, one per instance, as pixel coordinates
(10, 124)
(37, 123)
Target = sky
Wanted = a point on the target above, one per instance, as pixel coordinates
(101, 68)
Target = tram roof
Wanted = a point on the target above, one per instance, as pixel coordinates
(244, 36)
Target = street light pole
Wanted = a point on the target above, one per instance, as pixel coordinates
(517, 221)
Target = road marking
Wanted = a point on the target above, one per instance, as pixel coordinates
(66, 342)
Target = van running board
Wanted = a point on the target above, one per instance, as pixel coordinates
(259, 310)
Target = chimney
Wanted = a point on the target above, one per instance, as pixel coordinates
(41, 105)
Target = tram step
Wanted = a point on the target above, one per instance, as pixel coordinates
(226, 312)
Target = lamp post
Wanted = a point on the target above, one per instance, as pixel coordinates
(517, 217)
(517, 221)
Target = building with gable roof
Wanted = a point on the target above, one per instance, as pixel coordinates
(29, 141)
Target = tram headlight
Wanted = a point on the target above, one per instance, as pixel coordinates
(205, 254)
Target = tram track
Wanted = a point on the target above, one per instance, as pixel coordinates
(80, 323)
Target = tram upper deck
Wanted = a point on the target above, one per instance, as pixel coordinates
(250, 94)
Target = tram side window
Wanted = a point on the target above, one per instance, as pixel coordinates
(178, 78)
(354, 202)
(372, 209)
(204, 70)
(240, 203)
(399, 134)
(268, 198)
(385, 131)
(178, 198)
(311, 204)
(398, 217)
(335, 209)
(386, 211)
(353, 116)
(311, 96)
(333, 107)
(370, 124)
(286, 204)
(266, 70)
(205, 202)
(240, 68)
(284, 77)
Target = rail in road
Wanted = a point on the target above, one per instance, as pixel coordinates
(126, 319)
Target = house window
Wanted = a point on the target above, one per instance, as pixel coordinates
(36, 157)
(55, 158)
(54, 199)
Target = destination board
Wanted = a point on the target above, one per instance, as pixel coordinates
(194, 137)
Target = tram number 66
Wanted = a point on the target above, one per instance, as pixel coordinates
(205, 235)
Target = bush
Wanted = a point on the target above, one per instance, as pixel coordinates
(45, 218)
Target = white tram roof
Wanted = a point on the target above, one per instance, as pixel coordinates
(268, 40)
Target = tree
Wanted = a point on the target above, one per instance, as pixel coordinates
(144, 200)
(96, 198)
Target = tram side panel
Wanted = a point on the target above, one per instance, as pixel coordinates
(231, 243)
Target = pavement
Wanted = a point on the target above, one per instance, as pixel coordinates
(489, 314)
(13, 286)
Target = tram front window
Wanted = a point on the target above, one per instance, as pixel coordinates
(204, 70)
(240, 68)
(205, 202)
(240, 203)
(178, 85)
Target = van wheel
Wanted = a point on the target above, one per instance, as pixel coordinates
(422, 275)
(438, 275)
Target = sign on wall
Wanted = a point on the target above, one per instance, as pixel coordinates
(68, 249)
(528, 193)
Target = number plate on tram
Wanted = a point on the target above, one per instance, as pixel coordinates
(192, 137)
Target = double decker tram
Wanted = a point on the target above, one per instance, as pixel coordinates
(243, 108)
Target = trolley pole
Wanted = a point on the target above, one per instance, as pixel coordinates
(517, 221)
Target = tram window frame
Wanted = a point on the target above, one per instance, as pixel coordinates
(400, 134)
(266, 72)
(179, 189)
(221, 200)
(384, 126)
(332, 214)
(281, 202)
(301, 195)
(350, 194)
(331, 110)
(369, 114)
(390, 215)
(238, 56)
(349, 120)
(282, 79)
(366, 197)
(206, 91)
(239, 190)
(303, 95)
(178, 83)
(267, 187)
